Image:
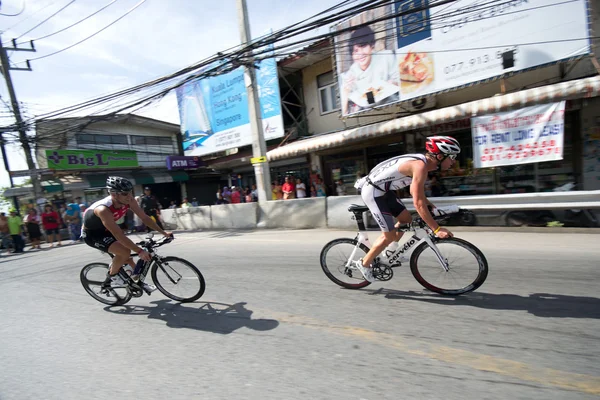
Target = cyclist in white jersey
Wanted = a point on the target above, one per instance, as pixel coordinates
(377, 191)
(101, 231)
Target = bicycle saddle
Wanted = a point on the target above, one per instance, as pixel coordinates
(357, 208)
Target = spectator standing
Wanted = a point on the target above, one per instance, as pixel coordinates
(16, 232)
(185, 203)
(288, 189)
(51, 224)
(72, 218)
(226, 195)
(320, 188)
(254, 193)
(149, 204)
(313, 191)
(277, 193)
(32, 222)
(236, 197)
(340, 188)
(248, 196)
(194, 202)
(172, 205)
(4, 232)
(300, 189)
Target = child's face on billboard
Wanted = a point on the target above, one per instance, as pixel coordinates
(361, 55)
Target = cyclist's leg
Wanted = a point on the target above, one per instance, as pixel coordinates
(121, 255)
(379, 208)
(399, 210)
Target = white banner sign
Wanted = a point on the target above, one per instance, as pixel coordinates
(529, 135)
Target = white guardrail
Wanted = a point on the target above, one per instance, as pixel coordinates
(522, 201)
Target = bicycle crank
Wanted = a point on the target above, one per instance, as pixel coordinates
(382, 272)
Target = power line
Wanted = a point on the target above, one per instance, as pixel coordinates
(31, 15)
(92, 35)
(17, 14)
(44, 21)
(72, 25)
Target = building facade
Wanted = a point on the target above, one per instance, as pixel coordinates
(76, 155)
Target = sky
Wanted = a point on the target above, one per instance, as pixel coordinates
(157, 38)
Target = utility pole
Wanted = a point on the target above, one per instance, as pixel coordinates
(37, 189)
(259, 148)
(6, 166)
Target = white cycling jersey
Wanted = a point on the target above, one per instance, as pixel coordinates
(385, 176)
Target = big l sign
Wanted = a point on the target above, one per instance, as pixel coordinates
(183, 162)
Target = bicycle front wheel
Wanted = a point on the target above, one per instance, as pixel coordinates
(335, 258)
(178, 279)
(92, 276)
(467, 267)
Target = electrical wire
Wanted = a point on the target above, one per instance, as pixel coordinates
(72, 25)
(17, 14)
(29, 16)
(45, 20)
(92, 35)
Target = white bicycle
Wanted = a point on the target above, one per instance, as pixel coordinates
(448, 266)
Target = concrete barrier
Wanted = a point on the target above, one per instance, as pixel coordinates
(295, 214)
(332, 212)
(228, 216)
(338, 215)
(191, 218)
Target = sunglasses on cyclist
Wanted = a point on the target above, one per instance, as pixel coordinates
(122, 193)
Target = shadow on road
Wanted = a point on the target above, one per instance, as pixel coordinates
(208, 316)
(538, 304)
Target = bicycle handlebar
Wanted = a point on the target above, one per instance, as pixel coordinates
(152, 244)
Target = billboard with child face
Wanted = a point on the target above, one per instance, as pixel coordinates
(423, 49)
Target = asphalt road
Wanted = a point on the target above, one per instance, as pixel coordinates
(272, 326)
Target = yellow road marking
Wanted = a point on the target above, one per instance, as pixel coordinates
(525, 372)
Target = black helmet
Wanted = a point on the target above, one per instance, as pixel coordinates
(118, 184)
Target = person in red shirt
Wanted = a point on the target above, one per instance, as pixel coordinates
(51, 224)
(235, 195)
(289, 189)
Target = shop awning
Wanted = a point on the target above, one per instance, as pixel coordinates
(171, 176)
(49, 186)
(581, 88)
(179, 176)
(142, 178)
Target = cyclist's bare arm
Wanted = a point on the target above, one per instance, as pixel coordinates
(135, 207)
(418, 171)
(108, 221)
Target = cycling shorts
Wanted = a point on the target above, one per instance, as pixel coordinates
(98, 239)
(384, 208)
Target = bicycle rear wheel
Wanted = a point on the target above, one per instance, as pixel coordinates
(178, 279)
(334, 258)
(467, 265)
(92, 276)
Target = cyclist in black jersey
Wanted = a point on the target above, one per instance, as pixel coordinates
(377, 191)
(101, 231)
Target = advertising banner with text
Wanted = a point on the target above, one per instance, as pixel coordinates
(529, 135)
(429, 49)
(214, 111)
(90, 159)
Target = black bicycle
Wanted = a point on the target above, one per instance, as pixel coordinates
(176, 278)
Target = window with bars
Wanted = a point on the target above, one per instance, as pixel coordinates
(328, 98)
(87, 139)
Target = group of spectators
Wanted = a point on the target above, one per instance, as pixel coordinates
(37, 223)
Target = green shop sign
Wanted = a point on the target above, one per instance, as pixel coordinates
(90, 159)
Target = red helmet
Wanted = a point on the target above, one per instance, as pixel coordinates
(442, 145)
